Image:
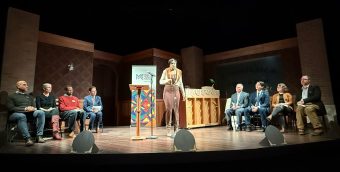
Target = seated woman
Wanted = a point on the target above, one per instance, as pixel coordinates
(93, 107)
(281, 104)
(46, 102)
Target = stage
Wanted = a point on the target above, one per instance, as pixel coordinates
(214, 145)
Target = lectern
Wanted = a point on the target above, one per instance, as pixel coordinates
(138, 88)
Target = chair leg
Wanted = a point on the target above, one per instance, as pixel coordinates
(11, 132)
(60, 129)
(324, 122)
(87, 124)
(102, 125)
(99, 125)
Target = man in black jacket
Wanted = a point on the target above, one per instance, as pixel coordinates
(309, 104)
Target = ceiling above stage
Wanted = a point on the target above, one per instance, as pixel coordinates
(214, 25)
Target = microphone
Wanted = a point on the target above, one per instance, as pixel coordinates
(150, 73)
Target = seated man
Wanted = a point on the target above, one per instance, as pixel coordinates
(259, 103)
(309, 104)
(239, 101)
(21, 106)
(93, 107)
(70, 109)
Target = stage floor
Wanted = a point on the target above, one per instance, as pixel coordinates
(117, 140)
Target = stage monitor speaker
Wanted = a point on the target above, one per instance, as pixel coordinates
(84, 143)
(184, 141)
(274, 136)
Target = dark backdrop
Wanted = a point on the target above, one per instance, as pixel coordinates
(248, 72)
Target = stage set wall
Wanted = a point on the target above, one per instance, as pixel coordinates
(295, 54)
(304, 54)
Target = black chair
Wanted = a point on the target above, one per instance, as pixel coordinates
(63, 125)
(255, 121)
(96, 122)
(13, 133)
(100, 125)
(323, 118)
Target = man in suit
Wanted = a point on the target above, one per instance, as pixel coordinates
(259, 103)
(93, 107)
(309, 103)
(239, 101)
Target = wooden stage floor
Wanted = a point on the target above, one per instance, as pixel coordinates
(115, 143)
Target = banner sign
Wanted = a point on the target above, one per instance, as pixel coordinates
(144, 75)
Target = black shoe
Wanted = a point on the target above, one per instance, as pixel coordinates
(301, 132)
(229, 127)
(263, 129)
(29, 142)
(248, 129)
(238, 129)
(40, 139)
(317, 132)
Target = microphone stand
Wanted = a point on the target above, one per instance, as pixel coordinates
(151, 107)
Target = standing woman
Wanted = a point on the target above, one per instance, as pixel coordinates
(46, 102)
(172, 79)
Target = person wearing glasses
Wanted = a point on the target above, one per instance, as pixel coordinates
(282, 104)
(309, 104)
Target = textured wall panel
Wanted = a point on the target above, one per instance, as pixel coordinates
(52, 67)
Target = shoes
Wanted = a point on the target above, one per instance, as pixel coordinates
(56, 136)
(173, 135)
(269, 118)
(97, 129)
(301, 132)
(263, 129)
(317, 132)
(71, 135)
(176, 129)
(40, 139)
(168, 132)
(29, 142)
(229, 127)
(238, 129)
(248, 129)
(282, 130)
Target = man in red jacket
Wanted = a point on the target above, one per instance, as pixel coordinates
(70, 109)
